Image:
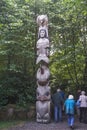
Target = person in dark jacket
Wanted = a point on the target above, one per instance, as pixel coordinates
(57, 100)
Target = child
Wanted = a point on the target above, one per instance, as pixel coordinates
(69, 109)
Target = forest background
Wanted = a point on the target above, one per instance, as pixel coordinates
(67, 28)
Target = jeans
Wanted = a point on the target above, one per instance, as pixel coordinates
(57, 113)
(70, 119)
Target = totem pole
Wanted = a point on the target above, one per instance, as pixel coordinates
(43, 90)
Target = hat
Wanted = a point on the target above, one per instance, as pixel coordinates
(58, 90)
(70, 97)
(83, 92)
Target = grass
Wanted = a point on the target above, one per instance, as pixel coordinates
(4, 125)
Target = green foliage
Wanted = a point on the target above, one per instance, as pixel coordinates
(8, 124)
(16, 88)
(68, 51)
(18, 36)
(17, 52)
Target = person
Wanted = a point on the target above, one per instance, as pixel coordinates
(78, 102)
(69, 106)
(62, 93)
(57, 101)
(83, 107)
(78, 94)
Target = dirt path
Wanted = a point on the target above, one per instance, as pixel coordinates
(51, 126)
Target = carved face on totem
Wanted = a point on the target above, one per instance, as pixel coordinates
(42, 33)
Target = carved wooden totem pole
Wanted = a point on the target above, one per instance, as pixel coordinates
(43, 90)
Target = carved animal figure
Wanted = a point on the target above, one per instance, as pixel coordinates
(43, 111)
(43, 74)
(42, 20)
(43, 104)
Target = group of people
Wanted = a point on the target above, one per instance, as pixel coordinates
(70, 106)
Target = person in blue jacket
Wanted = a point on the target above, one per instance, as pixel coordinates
(69, 105)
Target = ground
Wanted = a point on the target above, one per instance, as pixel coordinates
(32, 125)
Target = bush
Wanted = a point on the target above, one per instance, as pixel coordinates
(17, 89)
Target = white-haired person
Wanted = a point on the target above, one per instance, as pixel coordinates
(69, 106)
(83, 107)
